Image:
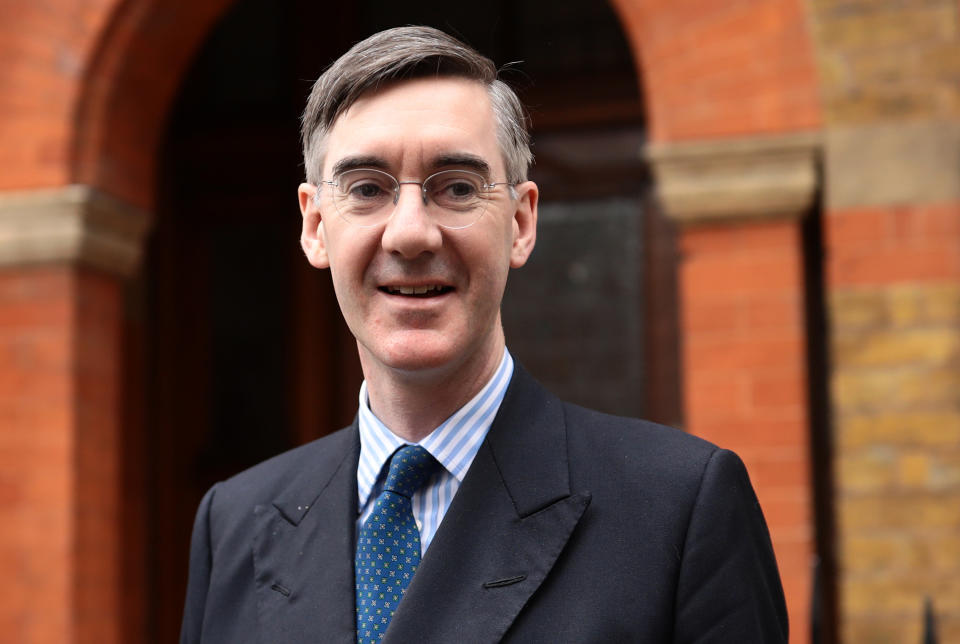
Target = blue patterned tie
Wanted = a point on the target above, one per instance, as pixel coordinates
(388, 549)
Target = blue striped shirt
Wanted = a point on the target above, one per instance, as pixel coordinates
(454, 444)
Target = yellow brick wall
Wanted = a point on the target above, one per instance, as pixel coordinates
(896, 399)
(890, 91)
(887, 59)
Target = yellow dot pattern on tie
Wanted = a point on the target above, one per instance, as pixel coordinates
(388, 547)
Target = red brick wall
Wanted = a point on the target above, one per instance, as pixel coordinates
(36, 454)
(745, 376)
(874, 245)
(98, 547)
(59, 397)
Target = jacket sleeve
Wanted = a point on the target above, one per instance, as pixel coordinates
(729, 588)
(199, 577)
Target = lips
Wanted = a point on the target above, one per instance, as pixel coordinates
(425, 290)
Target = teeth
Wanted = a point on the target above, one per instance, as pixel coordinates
(414, 290)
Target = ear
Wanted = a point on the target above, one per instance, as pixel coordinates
(312, 236)
(524, 223)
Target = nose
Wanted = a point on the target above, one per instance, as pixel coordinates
(410, 231)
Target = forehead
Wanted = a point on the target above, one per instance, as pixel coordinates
(409, 124)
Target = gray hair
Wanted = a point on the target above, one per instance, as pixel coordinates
(407, 53)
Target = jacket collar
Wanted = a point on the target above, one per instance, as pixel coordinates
(504, 530)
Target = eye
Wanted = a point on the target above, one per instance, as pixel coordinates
(365, 185)
(455, 188)
(461, 189)
(365, 190)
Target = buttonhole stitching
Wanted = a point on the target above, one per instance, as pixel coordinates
(496, 583)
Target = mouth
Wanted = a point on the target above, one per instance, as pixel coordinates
(424, 291)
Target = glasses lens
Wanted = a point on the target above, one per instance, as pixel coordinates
(365, 197)
(457, 198)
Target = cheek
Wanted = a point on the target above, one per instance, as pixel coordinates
(349, 255)
(495, 259)
(347, 282)
(492, 277)
(340, 290)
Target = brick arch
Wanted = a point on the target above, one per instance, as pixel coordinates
(126, 92)
(713, 70)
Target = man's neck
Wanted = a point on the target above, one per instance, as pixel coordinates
(413, 405)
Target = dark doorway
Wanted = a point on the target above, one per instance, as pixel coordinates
(244, 351)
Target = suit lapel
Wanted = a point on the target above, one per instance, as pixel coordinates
(303, 549)
(504, 530)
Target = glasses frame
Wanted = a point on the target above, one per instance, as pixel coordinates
(334, 182)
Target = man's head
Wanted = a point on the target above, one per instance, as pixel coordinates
(406, 53)
(420, 291)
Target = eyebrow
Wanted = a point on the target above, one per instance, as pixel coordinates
(359, 161)
(463, 160)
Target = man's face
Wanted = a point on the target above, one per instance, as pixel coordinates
(412, 129)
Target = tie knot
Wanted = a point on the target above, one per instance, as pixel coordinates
(410, 467)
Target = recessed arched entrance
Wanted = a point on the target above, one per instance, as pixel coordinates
(243, 350)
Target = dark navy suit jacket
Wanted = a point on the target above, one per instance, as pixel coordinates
(570, 526)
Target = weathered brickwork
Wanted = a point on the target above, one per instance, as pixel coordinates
(896, 396)
(887, 59)
(890, 83)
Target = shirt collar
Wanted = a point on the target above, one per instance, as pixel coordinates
(454, 443)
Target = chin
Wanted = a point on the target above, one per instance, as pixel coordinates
(419, 352)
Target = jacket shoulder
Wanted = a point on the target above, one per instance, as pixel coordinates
(703, 532)
(635, 445)
(262, 483)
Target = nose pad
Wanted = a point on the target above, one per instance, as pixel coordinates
(400, 184)
(411, 230)
(423, 203)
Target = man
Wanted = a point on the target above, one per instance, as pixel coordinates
(465, 503)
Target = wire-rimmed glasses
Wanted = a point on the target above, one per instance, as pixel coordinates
(452, 198)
